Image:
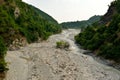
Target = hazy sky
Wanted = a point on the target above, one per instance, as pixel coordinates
(71, 10)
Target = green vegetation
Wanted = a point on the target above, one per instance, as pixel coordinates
(18, 19)
(80, 24)
(104, 40)
(62, 44)
(2, 55)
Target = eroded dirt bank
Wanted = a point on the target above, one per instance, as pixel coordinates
(42, 61)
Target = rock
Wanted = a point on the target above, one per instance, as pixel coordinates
(87, 52)
(16, 12)
(18, 43)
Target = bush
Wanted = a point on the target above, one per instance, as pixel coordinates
(2, 48)
(2, 54)
(62, 44)
(3, 65)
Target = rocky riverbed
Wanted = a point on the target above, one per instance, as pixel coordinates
(43, 61)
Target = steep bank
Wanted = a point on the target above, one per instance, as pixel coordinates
(103, 38)
(20, 24)
(42, 61)
(18, 20)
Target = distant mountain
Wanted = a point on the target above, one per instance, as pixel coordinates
(21, 22)
(80, 24)
(94, 19)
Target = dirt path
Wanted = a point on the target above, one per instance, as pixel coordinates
(42, 61)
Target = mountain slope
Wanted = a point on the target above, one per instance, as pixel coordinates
(81, 24)
(20, 22)
(104, 39)
(44, 15)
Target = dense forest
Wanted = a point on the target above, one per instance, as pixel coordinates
(104, 37)
(81, 24)
(17, 20)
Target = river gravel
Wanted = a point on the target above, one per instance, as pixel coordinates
(43, 61)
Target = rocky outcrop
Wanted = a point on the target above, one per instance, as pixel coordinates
(17, 12)
(109, 15)
(18, 43)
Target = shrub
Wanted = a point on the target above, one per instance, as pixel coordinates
(2, 48)
(3, 65)
(62, 44)
(2, 54)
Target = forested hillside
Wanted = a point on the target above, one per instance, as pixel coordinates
(20, 20)
(104, 38)
(81, 24)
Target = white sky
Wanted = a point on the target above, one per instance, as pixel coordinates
(71, 10)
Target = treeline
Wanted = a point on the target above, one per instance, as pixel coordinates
(80, 24)
(104, 40)
(18, 19)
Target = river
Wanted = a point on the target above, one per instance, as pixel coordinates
(43, 61)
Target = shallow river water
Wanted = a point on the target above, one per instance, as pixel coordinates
(43, 61)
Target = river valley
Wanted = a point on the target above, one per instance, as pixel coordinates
(43, 61)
